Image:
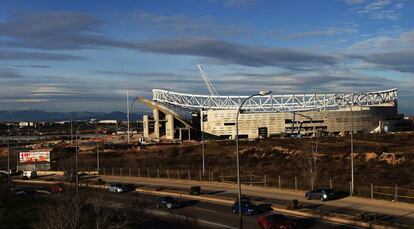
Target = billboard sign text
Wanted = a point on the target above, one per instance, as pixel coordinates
(33, 157)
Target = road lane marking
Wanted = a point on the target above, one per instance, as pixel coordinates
(204, 209)
(201, 221)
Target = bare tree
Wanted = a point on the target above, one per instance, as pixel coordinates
(102, 213)
(63, 212)
(311, 151)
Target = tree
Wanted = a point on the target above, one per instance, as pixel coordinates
(311, 151)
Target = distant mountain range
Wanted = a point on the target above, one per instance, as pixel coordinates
(38, 115)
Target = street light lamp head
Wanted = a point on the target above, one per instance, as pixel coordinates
(264, 92)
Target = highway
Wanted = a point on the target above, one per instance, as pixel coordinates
(218, 213)
(210, 215)
(392, 212)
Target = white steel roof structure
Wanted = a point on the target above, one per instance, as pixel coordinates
(274, 103)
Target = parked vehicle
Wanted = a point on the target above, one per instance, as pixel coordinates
(117, 188)
(142, 141)
(275, 221)
(195, 190)
(321, 194)
(168, 202)
(247, 207)
(29, 174)
(57, 188)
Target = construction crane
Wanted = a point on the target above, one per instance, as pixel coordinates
(210, 86)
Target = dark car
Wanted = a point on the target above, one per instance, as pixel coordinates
(275, 221)
(167, 202)
(195, 190)
(247, 207)
(17, 191)
(129, 187)
(321, 194)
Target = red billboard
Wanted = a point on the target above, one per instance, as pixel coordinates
(33, 157)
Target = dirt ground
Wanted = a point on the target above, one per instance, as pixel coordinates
(381, 159)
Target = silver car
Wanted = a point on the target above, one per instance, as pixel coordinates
(117, 188)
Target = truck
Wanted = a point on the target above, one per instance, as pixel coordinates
(29, 174)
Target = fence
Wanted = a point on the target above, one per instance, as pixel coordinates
(297, 183)
(392, 193)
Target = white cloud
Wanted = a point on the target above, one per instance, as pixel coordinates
(385, 43)
(379, 9)
(325, 32)
(353, 2)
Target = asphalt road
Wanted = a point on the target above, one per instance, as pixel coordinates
(390, 212)
(219, 216)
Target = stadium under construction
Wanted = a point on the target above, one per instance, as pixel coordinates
(179, 115)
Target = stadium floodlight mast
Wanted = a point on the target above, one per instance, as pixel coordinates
(350, 104)
(260, 93)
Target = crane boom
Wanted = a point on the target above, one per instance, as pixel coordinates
(207, 81)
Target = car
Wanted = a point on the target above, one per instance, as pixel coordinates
(275, 221)
(29, 174)
(247, 207)
(57, 188)
(117, 188)
(321, 194)
(17, 191)
(195, 190)
(168, 202)
(129, 187)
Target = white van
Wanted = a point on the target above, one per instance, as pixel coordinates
(29, 174)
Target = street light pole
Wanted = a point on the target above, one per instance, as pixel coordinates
(202, 138)
(128, 115)
(261, 93)
(76, 159)
(71, 129)
(352, 142)
(129, 108)
(8, 154)
(97, 155)
(352, 149)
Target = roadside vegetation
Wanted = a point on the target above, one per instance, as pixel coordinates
(87, 210)
(381, 159)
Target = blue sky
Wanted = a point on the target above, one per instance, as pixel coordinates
(82, 55)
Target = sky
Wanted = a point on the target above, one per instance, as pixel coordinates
(82, 55)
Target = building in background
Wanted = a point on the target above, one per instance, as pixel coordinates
(266, 116)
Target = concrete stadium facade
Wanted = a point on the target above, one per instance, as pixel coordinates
(266, 116)
(336, 122)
